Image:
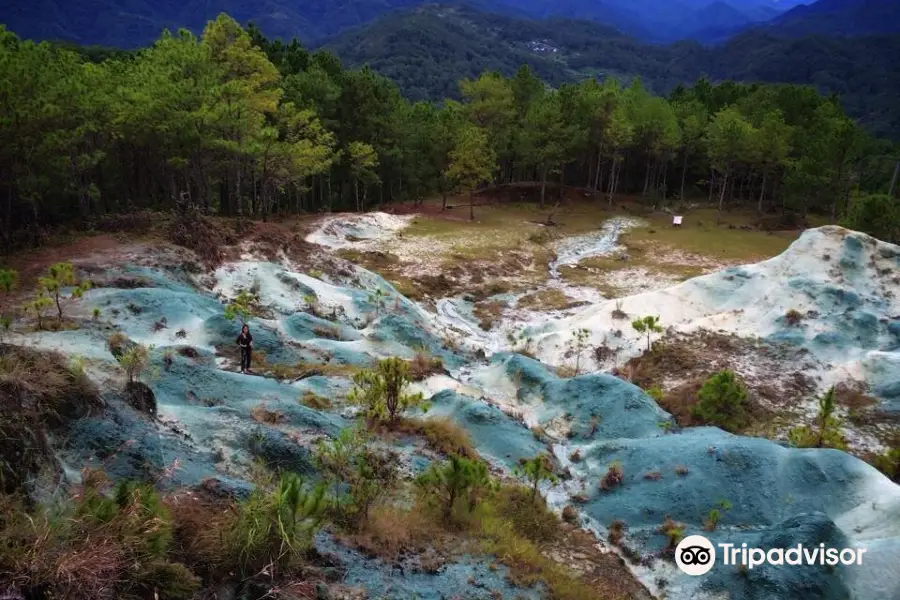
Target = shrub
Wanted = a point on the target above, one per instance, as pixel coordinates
(529, 514)
(722, 400)
(273, 528)
(889, 464)
(241, 306)
(9, 279)
(616, 532)
(117, 343)
(875, 214)
(674, 532)
(424, 365)
(350, 461)
(793, 317)
(456, 484)
(656, 392)
(712, 520)
(96, 547)
(380, 391)
(614, 477)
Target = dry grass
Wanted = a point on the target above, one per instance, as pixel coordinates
(261, 414)
(442, 435)
(488, 313)
(616, 532)
(424, 365)
(392, 531)
(613, 478)
(544, 300)
(39, 392)
(314, 401)
(531, 519)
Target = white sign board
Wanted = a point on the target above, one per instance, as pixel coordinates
(676, 220)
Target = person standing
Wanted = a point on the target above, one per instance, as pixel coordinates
(245, 342)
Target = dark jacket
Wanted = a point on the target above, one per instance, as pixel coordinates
(244, 340)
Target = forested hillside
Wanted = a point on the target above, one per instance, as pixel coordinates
(840, 17)
(236, 125)
(427, 50)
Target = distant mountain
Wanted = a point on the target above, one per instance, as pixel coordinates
(133, 23)
(428, 49)
(840, 17)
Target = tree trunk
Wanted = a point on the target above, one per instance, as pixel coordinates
(562, 182)
(612, 179)
(590, 173)
(598, 172)
(762, 193)
(471, 206)
(683, 174)
(443, 200)
(722, 197)
(665, 182)
(356, 188)
(543, 186)
(646, 181)
(237, 191)
(712, 183)
(552, 214)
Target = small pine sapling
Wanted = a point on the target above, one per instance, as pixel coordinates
(534, 471)
(59, 277)
(647, 325)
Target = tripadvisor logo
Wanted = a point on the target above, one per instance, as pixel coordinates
(696, 555)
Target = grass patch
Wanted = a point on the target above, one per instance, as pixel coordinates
(392, 531)
(442, 435)
(261, 414)
(551, 299)
(700, 235)
(39, 392)
(681, 253)
(424, 365)
(532, 520)
(488, 312)
(314, 401)
(527, 564)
